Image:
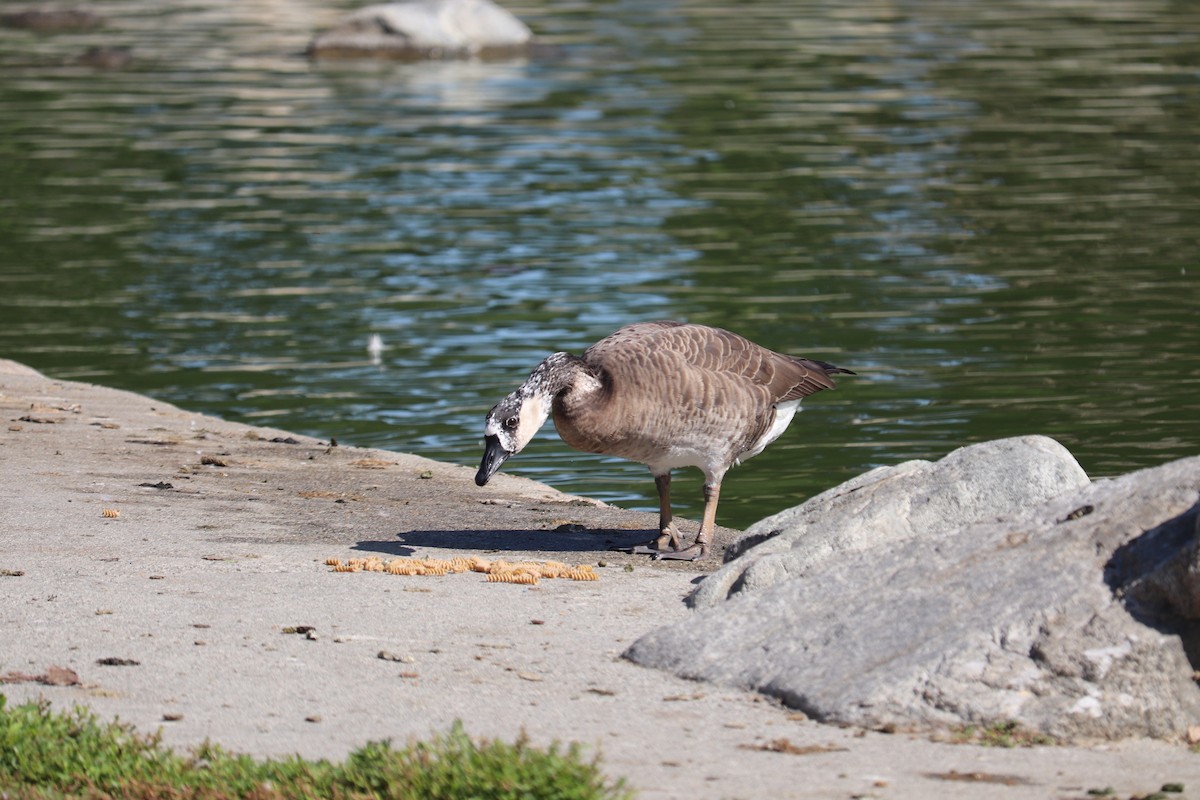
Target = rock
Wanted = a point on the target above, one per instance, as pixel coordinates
(51, 20)
(1074, 617)
(425, 29)
(890, 505)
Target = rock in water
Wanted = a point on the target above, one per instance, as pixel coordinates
(51, 20)
(425, 29)
(1074, 616)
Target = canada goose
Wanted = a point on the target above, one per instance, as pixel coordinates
(667, 395)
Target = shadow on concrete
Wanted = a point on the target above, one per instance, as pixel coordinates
(572, 539)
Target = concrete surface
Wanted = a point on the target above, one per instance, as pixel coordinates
(197, 582)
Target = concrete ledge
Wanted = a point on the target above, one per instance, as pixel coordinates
(207, 564)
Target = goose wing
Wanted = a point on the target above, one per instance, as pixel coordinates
(629, 339)
(718, 352)
(672, 388)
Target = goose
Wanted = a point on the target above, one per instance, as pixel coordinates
(665, 394)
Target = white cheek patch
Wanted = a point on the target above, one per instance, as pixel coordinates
(533, 414)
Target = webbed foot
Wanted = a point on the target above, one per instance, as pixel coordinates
(693, 553)
(639, 549)
(667, 541)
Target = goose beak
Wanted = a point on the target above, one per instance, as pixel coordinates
(494, 455)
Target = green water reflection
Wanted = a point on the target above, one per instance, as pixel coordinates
(989, 211)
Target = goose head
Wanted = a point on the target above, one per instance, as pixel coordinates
(512, 422)
(508, 428)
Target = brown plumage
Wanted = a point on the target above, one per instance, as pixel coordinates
(665, 394)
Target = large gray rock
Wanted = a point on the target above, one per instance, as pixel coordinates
(1075, 617)
(425, 29)
(890, 505)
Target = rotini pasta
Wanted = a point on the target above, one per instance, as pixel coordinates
(527, 578)
(578, 574)
(527, 573)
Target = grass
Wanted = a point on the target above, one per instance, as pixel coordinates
(48, 755)
(1002, 734)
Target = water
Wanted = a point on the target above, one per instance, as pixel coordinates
(989, 211)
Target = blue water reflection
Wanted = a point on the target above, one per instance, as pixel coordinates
(988, 211)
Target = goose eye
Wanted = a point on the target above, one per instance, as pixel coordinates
(511, 422)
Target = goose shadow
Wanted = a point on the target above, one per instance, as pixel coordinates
(567, 539)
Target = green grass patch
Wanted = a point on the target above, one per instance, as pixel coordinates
(1002, 734)
(47, 755)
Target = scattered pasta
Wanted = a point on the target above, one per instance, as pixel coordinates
(527, 573)
(110, 513)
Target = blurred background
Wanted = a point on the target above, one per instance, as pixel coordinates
(990, 211)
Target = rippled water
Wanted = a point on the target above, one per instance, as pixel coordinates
(988, 210)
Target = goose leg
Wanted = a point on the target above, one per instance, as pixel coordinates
(668, 534)
(712, 493)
